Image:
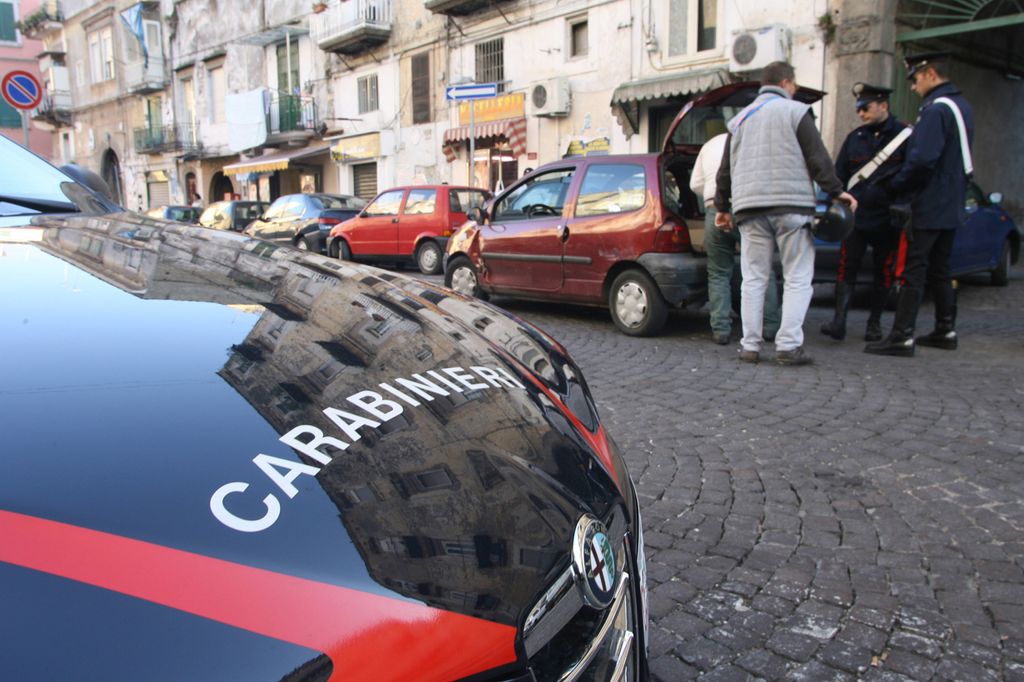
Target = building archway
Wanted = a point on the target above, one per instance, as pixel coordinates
(110, 171)
(221, 187)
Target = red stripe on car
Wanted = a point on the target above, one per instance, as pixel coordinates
(367, 636)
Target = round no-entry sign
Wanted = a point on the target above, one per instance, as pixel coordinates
(21, 90)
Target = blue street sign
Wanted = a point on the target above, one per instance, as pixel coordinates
(471, 91)
(21, 90)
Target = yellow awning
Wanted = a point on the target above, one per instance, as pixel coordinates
(273, 161)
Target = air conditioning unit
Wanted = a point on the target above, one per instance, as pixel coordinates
(754, 50)
(552, 97)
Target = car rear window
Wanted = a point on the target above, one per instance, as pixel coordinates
(465, 200)
(327, 201)
(249, 211)
(612, 188)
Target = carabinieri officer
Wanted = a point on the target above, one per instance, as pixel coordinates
(934, 175)
(873, 227)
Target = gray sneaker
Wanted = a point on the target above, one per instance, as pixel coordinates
(797, 356)
(751, 356)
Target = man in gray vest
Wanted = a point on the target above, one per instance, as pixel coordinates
(766, 189)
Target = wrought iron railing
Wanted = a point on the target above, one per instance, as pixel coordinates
(344, 16)
(152, 140)
(288, 113)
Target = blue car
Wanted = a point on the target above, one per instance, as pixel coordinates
(988, 242)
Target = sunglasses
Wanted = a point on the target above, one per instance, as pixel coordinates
(863, 107)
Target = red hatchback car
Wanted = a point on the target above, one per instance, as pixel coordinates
(406, 223)
(603, 230)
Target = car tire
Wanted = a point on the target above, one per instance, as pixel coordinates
(461, 276)
(636, 304)
(341, 250)
(1001, 274)
(428, 257)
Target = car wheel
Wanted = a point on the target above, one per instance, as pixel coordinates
(636, 304)
(461, 277)
(332, 249)
(341, 250)
(1001, 275)
(428, 257)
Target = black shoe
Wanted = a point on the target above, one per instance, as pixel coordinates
(721, 338)
(938, 339)
(797, 356)
(834, 329)
(892, 345)
(873, 332)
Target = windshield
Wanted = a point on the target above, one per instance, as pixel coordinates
(30, 186)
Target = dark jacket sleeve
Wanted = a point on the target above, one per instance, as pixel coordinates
(723, 180)
(819, 163)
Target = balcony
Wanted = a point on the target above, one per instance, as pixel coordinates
(55, 108)
(457, 7)
(291, 120)
(353, 26)
(45, 20)
(162, 139)
(141, 78)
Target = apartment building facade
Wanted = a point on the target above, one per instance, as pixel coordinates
(258, 99)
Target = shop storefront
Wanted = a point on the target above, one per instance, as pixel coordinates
(360, 155)
(266, 177)
(498, 133)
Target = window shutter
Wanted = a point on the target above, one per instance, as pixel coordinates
(421, 88)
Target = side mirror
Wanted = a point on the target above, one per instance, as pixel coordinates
(995, 198)
(478, 215)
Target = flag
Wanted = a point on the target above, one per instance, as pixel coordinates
(132, 17)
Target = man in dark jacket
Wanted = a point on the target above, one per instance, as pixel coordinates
(934, 175)
(859, 156)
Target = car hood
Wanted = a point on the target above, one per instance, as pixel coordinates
(167, 388)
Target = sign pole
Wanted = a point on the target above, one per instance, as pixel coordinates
(472, 143)
(24, 127)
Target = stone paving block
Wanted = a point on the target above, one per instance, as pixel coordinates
(684, 624)
(910, 664)
(776, 606)
(863, 636)
(957, 669)
(735, 638)
(668, 668)
(849, 657)
(816, 671)
(703, 653)
(792, 645)
(922, 646)
(763, 664)
(726, 673)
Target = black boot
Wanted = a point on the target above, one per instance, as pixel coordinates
(879, 297)
(901, 339)
(837, 327)
(944, 334)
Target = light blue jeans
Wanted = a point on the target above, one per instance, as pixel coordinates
(796, 248)
(723, 277)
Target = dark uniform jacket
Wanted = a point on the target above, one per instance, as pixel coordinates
(933, 173)
(860, 147)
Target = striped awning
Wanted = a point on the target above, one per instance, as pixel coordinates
(274, 161)
(512, 129)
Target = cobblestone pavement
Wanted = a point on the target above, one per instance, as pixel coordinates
(862, 517)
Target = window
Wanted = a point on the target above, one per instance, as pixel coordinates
(543, 195)
(421, 88)
(367, 86)
(490, 63)
(692, 26)
(611, 188)
(132, 48)
(101, 55)
(421, 202)
(386, 204)
(465, 200)
(578, 38)
(9, 116)
(216, 91)
(8, 19)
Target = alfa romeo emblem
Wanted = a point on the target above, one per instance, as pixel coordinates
(594, 562)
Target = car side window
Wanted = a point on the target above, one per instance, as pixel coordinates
(543, 194)
(387, 203)
(612, 188)
(421, 202)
